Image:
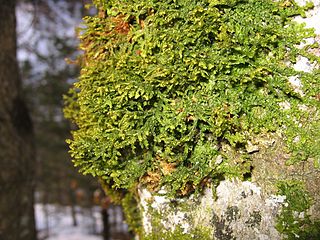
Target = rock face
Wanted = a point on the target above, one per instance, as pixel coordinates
(239, 210)
(275, 204)
(280, 201)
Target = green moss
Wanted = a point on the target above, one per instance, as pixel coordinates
(166, 83)
(132, 213)
(178, 234)
(171, 92)
(294, 221)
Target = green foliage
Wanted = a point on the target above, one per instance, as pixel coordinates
(165, 83)
(132, 213)
(294, 220)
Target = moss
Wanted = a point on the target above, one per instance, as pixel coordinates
(294, 221)
(172, 92)
(178, 234)
(164, 85)
(132, 213)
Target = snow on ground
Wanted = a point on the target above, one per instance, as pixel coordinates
(55, 223)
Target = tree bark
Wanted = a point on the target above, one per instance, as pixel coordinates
(16, 139)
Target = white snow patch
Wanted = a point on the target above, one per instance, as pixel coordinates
(55, 222)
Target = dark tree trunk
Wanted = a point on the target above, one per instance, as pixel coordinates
(16, 139)
(105, 223)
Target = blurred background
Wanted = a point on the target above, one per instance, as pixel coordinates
(68, 205)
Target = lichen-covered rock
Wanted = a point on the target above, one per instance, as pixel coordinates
(237, 210)
(280, 202)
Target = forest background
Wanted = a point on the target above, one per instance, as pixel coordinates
(47, 50)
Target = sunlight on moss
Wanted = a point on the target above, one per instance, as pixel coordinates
(165, 84)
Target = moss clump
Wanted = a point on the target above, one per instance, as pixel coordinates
(294, 221)
(132, 213)
(165, 83)
(167, 86)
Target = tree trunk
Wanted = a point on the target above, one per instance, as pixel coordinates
(16, 139)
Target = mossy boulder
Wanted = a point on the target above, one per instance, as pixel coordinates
(181, 96)
(279, 202)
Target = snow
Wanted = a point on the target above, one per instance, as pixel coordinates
(55, 222)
